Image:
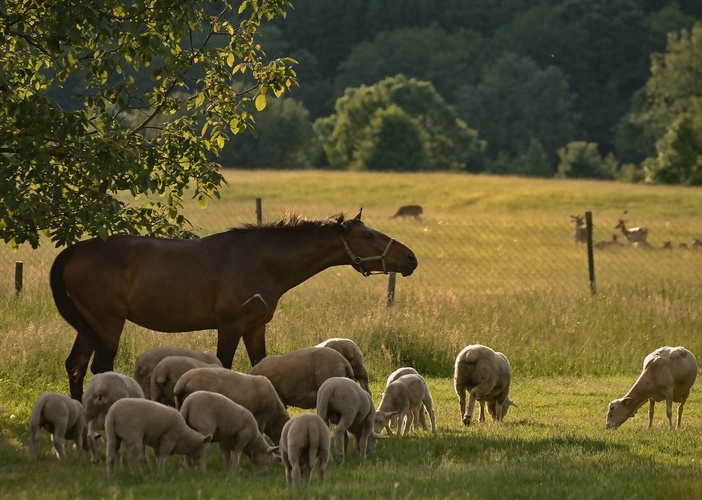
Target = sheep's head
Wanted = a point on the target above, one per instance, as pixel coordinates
(381, 419)
(505, 407)
(619, 410)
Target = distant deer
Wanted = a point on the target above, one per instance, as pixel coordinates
(580, 228)
(633, 235)
(697, 244)
(409, 211)
(608, 243)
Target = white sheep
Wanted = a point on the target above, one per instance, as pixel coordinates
(404, 398)
(405, 370)
(62, 417)
(167, 372)
(343, 402)
(298, 375)
(254, 392)
(138, 422)
(486, 374)
(230, 424)
(304, 442)
(348, 349)
(147, 361)
(668, 373)
(102, 391)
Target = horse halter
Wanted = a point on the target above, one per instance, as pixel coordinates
(360, 260)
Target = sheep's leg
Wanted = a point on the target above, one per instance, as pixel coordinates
(481, 411)
(669, 410)
(468, 415)
(111, 458)
(226, 453)
(295, 471)
(461, 391)
(402, 417)
(288, 468)
(236, 455)
(57, 441)
(34, 434)
(134, 456)
(652, 403)
(429, 405)
(321, 464)
(680, 410)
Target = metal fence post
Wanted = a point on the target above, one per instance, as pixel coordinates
(391, 289)
(19, 269)
(259, 213)
(590, 254)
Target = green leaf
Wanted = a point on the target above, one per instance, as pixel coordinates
(260, 102)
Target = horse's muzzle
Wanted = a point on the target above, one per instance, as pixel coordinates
(409, 265)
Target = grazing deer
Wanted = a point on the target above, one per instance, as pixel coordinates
(608, 243)
(633, 235)
(409, 211)
(580, 228)
(697, 244)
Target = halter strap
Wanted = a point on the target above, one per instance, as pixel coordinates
(360, 260)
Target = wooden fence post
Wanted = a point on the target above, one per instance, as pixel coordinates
(590, 255)
(391, 289)
(19, 269)
(259, 213)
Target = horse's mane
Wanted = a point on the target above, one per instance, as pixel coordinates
(292, 221)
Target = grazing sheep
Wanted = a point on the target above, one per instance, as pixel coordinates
(668, 373)
(405, 370)
(580, 228)
(298, 375)
(230, 424)
(167, 372)
(304, 442)
(697, 244)
(140, 422)
(633, 235)
(486, 374)
(405, 397)
(348, 349)
(103, 390)
(253, 392)
(147, 361)
(62, 417)
(342, 402)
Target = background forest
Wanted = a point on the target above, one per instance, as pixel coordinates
(606, 89)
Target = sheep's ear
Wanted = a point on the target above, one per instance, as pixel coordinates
(377, 435)
(208, 438)
(512, 403)
(272, 449)
(626, 401)
(278, 459)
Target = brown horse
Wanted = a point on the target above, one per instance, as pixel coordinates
(230, 282)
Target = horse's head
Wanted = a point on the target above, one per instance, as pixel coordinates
(373, 252)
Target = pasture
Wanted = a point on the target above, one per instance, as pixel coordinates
(571, 352)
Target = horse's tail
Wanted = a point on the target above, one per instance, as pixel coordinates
(64, 303)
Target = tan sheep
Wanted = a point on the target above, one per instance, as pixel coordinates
(405, 370)
(342, 402)
(230, 424)
(147, 361)
(486, 374)
(404, 398)
(668, 373)
(254, 392)
(102, 391)
(140, 422)
(62, 417)
(167, 372)
(348, 349)
(304, 442)
(298, 375)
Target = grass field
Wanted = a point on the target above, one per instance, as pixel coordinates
(571, 352)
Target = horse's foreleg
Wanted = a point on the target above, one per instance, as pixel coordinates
(106, 350)
(77, 365)
(227, 342)
(255, 342)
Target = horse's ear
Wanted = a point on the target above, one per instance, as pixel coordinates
(358, 217)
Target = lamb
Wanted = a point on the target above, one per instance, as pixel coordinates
(486, 374)
(304, 442)
(298, 375)
(167, 372)
(254, 392)
(342, 402)
(348, 349)
(230, 424)
(580, 228)
(405, 397)
(147, 361)
(633, 235)
(668, 373)
(62, 417)
(405, 370)
(140, 422)
(103, 390)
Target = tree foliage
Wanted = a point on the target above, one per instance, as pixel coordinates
(72, 170)
(450, 143)
(582, 160)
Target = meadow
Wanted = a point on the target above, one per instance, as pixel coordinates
(571, 352)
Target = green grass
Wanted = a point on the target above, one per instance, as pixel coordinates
(571, 352)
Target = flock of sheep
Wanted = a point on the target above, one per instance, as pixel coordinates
(179, 401)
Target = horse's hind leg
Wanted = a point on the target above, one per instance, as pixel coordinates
(255, 342)
(77, 365)
(106, 351)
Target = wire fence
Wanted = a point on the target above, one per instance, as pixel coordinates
(487, 253)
